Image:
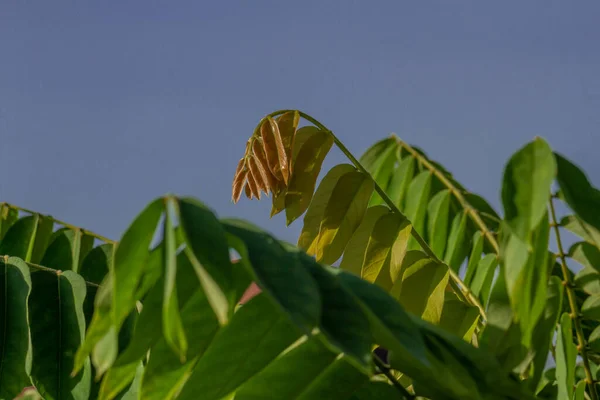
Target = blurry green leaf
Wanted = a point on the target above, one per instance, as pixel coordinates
(566, 353)
(591, 307)
(457, 248)
(579, 391)
(482, 282)
(209, 253)
(164, 374)
(379, 161)
(306, 168)
(544, 330)
(219, 371)
(437, 222)
(588, 279)
(594, 340)
(58, 328)
(474, 257)
(577, 191)
(485, 211)
(342, 216)
(316, 210)
(458, 317)
(96, 263)
(115, 298)
(171, 326)
(15, 339)
(586, 254)
(279, 273)
(526, 187)
(29, 394)
(581, 229)
(423, 289)
(417, 199)
(402, 176)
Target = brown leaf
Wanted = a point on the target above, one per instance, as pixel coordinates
(261, 160)
(257, 174)
(274, 150)
(238, 181)
(287, 124)
(253, 185)
(248, 191)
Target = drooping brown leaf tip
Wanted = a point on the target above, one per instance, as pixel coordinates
(265, 166)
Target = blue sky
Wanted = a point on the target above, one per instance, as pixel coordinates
(106, 105)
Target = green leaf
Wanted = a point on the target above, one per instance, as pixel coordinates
(588, 279)
(591, 307)
(232, 359)
(43, 232)
(526, 187)
(29, 394)
(423, 289)
(209, 253)
(379, 161)
(15, 339)
(594, 339)
(316, 210)
(115, 300)
(577, 191)
(402, 176)
(96, 263)
(354, 256)
(417, 199)
(458, 317)
(65, 250)
(307, 165)
(19, 240)
(482, 282)
(474, 258)
(544, 330)
(566, 353)
(172, 326)
(458, 247)
(164, 374)
(279, 273)
(342, 216)
(586, 254)
(581, 229)
(580, 391)
(437, 222)
(57, 330)
(8, 217)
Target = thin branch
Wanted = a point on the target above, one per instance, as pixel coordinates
(56, 272)
(386, 371)
(581, 343)
(456, 192)
(59, 222)
(458, 285)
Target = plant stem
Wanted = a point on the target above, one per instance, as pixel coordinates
(460, 288)
(386, 371)
(46, 269)
(473, 213)
(57, 221)
(581, 343)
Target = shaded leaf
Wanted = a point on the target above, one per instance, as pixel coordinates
(96, 263)
(474, 257)
(586, 254)
(8, 217)
(15, 338)
(482, 282)
(591, 307)
(67, 249)
(56, 307)
(458, 317)
(565, 358)
(581, 229)
(588, 280)
(457, 248)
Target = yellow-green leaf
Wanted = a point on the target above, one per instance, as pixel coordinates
(457, 248)
(416, 203)
(343, 214)
(402, 176)
(458, 317)
(306, 167)
(437, 221)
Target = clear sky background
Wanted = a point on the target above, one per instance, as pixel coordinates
(105, 105)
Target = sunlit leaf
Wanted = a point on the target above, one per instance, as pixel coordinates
(482, 281)
(474, 257)
(437, 222)
(565, 358)
(402, 176)
(416, 203)
(379, 161)
(458, 317)
(457, 248)
(591, 307)
(275, 150)
(581, 229)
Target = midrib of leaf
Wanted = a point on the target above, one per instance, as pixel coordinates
(471, 211)
(458, 285)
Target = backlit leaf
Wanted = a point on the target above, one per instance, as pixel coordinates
(416, 203)
(275, 151)
(437, 222)
(239, 179)
(379, 161)
(458, 247)
(343, 213)
(586, 254)
(482, 282)
(287, 124)
(307, 165)
(474, 257)
(458, 317)
(526, 187)
(591, 307)
(402, 176)
(588, 279)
